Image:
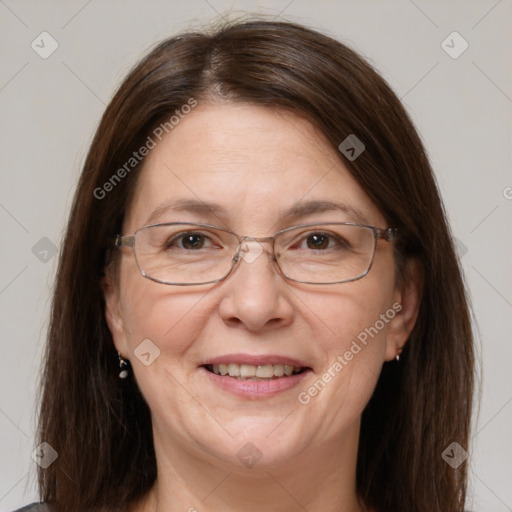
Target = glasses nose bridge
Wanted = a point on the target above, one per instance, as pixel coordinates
(248, 254)
(242, 239)
(260, 240)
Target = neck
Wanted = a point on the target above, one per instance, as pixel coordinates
(321, 478)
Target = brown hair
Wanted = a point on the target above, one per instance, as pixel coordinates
(101, 426)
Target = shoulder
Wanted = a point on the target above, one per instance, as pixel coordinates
(35, 507)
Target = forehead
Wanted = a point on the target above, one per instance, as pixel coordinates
(254, 163)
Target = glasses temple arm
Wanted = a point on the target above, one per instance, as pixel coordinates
(387, 234)
(124, 241)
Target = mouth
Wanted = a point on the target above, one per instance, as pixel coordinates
(249, 372)
(252, 376)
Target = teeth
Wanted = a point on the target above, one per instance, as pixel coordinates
(279, 370)
(234, 370)
(265, 372)
(247, 370)
(251, 372)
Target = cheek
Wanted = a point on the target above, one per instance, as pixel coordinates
(355, 319)
(171, 318)
(351, 312)
(354, 351)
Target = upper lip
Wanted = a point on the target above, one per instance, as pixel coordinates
(256, 360)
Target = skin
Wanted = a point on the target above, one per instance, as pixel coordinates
(255, 162)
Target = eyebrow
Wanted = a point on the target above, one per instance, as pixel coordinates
(296, 211)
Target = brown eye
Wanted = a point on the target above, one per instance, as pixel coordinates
(188, 241)
(192, 241)
(318, 241)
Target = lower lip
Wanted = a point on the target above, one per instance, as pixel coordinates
(255, 388)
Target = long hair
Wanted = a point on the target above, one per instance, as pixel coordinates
(101, 426)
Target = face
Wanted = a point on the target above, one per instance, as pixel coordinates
(255, 163)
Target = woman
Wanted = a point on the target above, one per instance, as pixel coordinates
(258, 304)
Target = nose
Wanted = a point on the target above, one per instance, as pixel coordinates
(256, 295)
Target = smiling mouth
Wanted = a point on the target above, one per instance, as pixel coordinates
(251, 372)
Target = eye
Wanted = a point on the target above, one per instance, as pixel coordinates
(317, 241)
(188, 241)
(321, 241)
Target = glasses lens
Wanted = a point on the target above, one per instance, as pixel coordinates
(183, 253)
(325, 253)
(196, 254)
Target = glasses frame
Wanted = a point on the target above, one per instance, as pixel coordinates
(387, 234)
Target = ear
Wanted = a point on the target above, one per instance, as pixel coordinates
(113, 316)
(406, 303)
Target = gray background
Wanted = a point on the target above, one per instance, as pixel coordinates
(50, 108)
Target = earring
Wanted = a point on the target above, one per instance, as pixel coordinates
(399, 351)
(123, 367)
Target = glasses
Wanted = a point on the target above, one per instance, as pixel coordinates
(179, 253)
